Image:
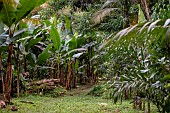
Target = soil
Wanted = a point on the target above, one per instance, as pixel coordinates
(80, 90)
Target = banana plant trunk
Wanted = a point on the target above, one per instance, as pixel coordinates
(52, 71)
(8, 80)
(74, 76)
(1, 76)
(149, 103)
(61, 75)
(18, 72)
(68, 79)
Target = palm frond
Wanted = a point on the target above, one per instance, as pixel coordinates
(108, 2)
(99, 16)
(146, 32)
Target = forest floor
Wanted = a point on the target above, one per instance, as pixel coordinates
(75, 101)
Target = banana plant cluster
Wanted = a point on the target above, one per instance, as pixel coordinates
(11, 13)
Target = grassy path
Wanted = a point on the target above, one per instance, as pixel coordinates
(75, 102)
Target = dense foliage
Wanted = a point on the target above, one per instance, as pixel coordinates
(125, 43)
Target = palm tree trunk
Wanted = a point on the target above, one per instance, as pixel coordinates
(8, 80)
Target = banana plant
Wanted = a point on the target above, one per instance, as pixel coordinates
(11, 13)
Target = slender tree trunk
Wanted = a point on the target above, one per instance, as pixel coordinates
(18, 72)
(25, 64)
(145, 5)
(74, 76)
(1, 76)
(148, 103)
(58, 65)
(68, 79)
(1, 66)
(8, 80)
(144, 105)
(126, 94)
(61, 76)
(51, 70)
(126, 13)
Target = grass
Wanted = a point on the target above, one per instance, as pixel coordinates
(71, 104)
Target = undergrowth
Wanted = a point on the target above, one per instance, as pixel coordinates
(71, 104)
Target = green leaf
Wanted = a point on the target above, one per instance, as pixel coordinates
(31, 58)
(7, 14)
(44, 55)
(76, 64)
(1, 27)
(141, 16)
(73, 43)
(166, 77)
(55, 38)
(25, 7)
(32, 42)
(68, 23)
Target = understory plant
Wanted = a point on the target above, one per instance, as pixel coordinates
(140, 57)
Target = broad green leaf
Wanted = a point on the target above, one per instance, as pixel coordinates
(76, 64)
(68, 23)
(1, 27)
(55, 38)
(31, 58)
(44, 55)
(25, 7)
(141, 16)
(73, 43)
(32, 42)
(166, 77)
(167, 85)
(7, 14)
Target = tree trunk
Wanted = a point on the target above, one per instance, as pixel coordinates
(25, 64)
(74, 76)
(1, 76)
(8, 80)
(145, 6)
(51, 70)
(61, 76)
(68, 79)
(18, 72)
(148, 103)
(126, 13)
(126, 94)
